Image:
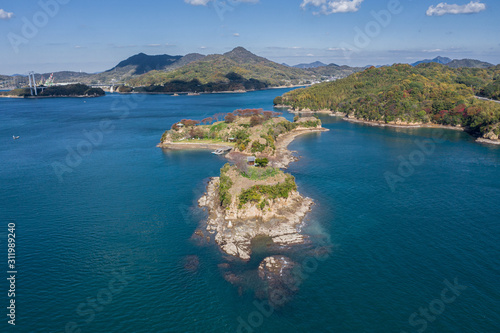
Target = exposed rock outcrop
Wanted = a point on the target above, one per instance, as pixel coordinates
(235, 227)
(492, 135)
(280, 277)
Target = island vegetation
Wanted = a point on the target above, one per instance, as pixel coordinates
(249, 132)
(252, 196)
(401, 94)
(72, 90)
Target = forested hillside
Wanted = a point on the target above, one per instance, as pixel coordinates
(427, 93)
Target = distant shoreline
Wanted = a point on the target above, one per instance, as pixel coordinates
(184, 93)
(43, 97)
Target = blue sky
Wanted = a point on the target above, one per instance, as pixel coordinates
(95, 35)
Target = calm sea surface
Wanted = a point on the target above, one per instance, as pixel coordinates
(104, 219)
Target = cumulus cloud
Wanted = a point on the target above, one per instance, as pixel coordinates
(328, 7)
(205, 2)
(5, 15)
(444, 8)
(236, 34)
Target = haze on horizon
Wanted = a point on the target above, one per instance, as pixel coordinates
(54, 35)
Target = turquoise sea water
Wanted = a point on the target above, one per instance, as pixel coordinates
(102, 247)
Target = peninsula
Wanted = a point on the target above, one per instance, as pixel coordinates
(428, 95)
(252, 197)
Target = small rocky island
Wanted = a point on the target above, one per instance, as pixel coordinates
(253, 199)
(71, 90)
(263, 201)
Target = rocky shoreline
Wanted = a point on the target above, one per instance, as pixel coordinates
(250, 206)
(235, 228)
(488, 138)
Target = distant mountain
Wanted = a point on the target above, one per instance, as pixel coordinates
(143, 63)
(64, 76)
(470, 63)
(311, 65)
(333, 70)
(439, 60)
(188, 58)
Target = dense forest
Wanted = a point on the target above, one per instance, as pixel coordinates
(428, 93)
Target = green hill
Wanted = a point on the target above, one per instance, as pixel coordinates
(144, 63)
(215, 68)
(428, 93)
(218, 69)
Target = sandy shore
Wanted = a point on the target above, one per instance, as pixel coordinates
(286, 139)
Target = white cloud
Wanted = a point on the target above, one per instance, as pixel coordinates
(328, 7)
(5, 15)
(236, 34)
(197, 2)
(444, 8)
(205, 2)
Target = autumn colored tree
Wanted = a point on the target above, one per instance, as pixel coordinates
(256, 120)
(190, 122)
(207, 121)
(230, 118)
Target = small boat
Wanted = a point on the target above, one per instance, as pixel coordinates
(218, 152)
(221, 151)
(15, 137)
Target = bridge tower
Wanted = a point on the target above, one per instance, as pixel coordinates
(33, 87)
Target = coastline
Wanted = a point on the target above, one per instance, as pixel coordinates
(185, 93)
(403, 125)
(345, 117)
